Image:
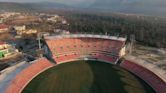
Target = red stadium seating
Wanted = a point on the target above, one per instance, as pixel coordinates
(107, 49)
(23, 78)
(152, 79)
(65, 58)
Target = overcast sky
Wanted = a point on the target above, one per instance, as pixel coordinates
(71, 2)
(59, 1)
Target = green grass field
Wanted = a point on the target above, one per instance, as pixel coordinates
(86, 77)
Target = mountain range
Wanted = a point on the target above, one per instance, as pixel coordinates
(146, 7)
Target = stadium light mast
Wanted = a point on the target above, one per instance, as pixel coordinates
(106, 33)
(39, 42)
(132, 41)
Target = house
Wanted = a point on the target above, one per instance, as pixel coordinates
(4, 28)
(3, 45)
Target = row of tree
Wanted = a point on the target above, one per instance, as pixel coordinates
(147, 30)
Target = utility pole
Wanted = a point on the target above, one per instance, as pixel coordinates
(132, 41)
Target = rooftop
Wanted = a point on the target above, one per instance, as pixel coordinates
(3, 26)
(1, 43)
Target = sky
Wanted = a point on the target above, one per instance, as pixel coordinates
(59, 1)
(82, 1)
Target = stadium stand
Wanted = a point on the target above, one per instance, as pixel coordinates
(25, 76)
(7, 74)
(68, 47)
(66, 58)
(148, 76)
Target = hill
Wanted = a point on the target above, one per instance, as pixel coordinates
(147, 7)
(155, 8)
(7, 6)
(11, 6)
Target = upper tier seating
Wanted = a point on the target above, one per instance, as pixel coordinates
(65, 49)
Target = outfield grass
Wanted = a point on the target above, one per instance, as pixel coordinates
(86, 77)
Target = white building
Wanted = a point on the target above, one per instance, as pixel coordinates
(20, 28)
(27, 31)
(31, 31)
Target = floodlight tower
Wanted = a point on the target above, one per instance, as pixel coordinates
(39, 40)
(132, 41)
(39, 37)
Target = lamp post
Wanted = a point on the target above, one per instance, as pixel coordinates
(39, 43)
(39, 38)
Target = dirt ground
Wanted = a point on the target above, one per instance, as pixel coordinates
(155, 55)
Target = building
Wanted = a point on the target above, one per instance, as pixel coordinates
(9, 14)
(20, 28)
(4, 28)
(61, 31)
(64, 21)
(56, 19)
(122, 51)
(23, 30)
(6, 50)
(53, 19)
(1, 20)
(29, 31)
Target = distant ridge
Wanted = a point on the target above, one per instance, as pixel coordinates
(121, 6)
(146, 7)
(12, 6)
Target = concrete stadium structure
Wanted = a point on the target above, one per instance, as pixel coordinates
(67, 48)
(76, 47)
(151, 74)
(26, 75)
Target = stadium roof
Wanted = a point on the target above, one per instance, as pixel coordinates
(86, 35)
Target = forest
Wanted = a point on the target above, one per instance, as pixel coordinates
(146, 30)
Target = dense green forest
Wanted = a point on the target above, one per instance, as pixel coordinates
(147, 30)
